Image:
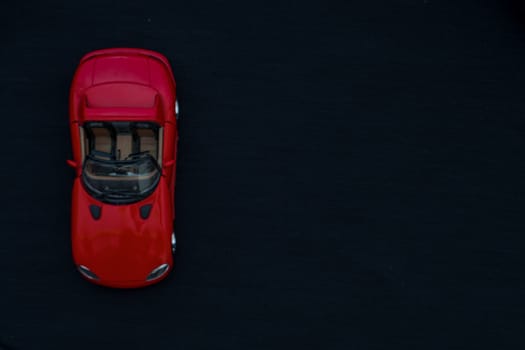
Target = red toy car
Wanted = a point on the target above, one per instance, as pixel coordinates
(123, 119)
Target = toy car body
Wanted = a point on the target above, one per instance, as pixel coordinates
(123, 122)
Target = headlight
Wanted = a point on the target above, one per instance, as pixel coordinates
(157, 272)
(87, 272)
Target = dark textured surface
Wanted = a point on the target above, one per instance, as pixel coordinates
(351, 176)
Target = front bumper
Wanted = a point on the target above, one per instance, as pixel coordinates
(135, 283)
(127, 284)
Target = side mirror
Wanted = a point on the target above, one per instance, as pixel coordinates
(72, 163)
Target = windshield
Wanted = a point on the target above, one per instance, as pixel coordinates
(120, 181)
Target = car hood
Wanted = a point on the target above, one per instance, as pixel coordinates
(121, 245)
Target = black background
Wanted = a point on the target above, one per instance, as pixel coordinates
(350, 176)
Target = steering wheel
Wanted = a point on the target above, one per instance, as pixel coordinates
(101, 154)
(137, 155)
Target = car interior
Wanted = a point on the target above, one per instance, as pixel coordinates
(117, 140)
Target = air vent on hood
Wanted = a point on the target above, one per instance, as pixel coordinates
(145, 210)
(96, 211)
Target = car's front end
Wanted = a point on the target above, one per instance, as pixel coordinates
(128, 245)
